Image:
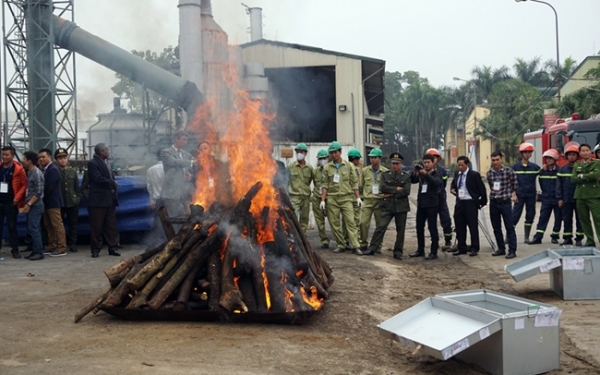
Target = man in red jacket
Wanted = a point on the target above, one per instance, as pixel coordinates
(13, 183)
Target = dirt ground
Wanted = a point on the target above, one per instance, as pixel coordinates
(39, 299)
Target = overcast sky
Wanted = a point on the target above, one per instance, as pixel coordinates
(440, 39)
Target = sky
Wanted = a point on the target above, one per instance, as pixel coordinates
(440, 39)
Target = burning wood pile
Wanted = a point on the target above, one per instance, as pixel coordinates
(224, 261)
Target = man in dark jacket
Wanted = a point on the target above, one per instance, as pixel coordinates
(548, 176)
(429, 181)
(102, 202)
(12, 195)
(53, 202)
(395, 186)
(69, 187)
(565, 193)
(471, 195)
(527, 173)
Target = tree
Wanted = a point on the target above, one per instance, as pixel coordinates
(168, 59)
(532, 72)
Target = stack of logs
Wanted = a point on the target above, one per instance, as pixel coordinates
(217, 263)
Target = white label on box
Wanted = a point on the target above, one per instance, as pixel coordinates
(550, 265)
(406, 342)
(549, 318)
(519, 323)
(455, 348)
(484, 333)
(573, 264)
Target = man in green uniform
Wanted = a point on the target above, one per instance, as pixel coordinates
(318, 181)
(340, 189)
(301, 175)
(395, 187)
(69, 183)
(354, 157)
(587, 193)
(370, 180)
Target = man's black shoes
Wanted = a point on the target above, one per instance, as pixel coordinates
(498, 253)
(510, 255)
(417, 254)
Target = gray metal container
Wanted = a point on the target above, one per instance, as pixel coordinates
(574, 272)
(500, 333)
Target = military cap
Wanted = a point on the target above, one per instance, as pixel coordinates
(60, 152)
(396, 157)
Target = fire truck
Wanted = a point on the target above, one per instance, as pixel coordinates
(561, 132)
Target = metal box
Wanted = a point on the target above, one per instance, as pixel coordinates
(574, 272)
(500, 333)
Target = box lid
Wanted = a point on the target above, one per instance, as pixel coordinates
(442, 327)
(533, 265)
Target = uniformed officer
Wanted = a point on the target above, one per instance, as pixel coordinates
(443, 208)
(395, 186)
(69, 183)
(301, 176)
(370, 178)
(318, 181)
(548, 176)
(565, 193)
(527, 173)
(585, 177)
(340, 189)
(354, 157)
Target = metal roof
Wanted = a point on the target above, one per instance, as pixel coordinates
(373, 71)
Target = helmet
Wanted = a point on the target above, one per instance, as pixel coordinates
(526, 146)
(596, 149)
(551, 153)
(334, 146)
(434, 152)
(572, 148)
(301, 147)
(322, 154)
(376, 153)
(354, 153)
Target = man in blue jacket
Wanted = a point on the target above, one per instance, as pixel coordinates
(565, 193)
(527, 173)
(548, 176)
(53, 202)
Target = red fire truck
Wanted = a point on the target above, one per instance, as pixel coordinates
(563, 131)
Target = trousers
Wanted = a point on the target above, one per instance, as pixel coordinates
(427, 215)
(466, 214)
(568, 209)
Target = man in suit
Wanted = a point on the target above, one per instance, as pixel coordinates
(53, 202)
(177, 164)
(429, 180)
(102, 202)
(471, 195)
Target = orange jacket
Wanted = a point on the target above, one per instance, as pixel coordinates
(19, 184)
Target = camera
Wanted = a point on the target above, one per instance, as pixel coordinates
(419, 166)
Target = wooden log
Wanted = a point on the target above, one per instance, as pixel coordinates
(117, 272)
(199, 253)
(260, 293)
(326, 268)
(116, 296)
(152, 252)
(141, 297)
(186, 288)
(231, 297)
(246, 287)
(97, 301)
(158, 262)
(163, 215)
(214, 280)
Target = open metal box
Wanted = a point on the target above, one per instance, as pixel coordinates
(574, 272)
(500, 333)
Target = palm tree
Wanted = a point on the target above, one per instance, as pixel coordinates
(566, 70)
(532, 72)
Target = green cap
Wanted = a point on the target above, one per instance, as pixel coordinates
(301, 147)
(335, 146)
(322, 154)
(354, 153)
(376, 153)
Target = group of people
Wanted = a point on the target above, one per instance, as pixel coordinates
(46, 189)
(350, 195)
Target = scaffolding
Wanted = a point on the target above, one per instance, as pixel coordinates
(40, 109)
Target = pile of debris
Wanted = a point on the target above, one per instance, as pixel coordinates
(223, 264)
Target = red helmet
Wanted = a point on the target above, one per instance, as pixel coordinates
(434, 152)
(572, 148)
(551, 153)
(526, 146)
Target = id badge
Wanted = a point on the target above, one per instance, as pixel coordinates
(3, 187)
(336, 178)
(462, 193)
(211, 182)
(375, 189)
(320, 190)
(496, 186)
(424, 188)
